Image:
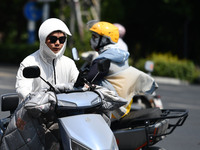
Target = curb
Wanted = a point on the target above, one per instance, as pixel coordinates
(173, 81)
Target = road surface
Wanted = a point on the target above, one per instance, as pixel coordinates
(186, 137)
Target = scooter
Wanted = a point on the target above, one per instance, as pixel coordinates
(79, 116)
(83, 127)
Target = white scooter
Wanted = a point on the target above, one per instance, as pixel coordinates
(82, 126)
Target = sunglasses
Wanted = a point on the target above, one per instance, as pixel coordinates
(53, 39)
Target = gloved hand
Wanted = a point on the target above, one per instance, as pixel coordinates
(63, 87)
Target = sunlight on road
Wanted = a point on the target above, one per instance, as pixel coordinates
(183, 106)
(7, 75)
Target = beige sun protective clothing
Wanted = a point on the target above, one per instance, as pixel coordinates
(55, 68)
(128, 83)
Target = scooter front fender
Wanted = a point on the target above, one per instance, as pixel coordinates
(88, 130)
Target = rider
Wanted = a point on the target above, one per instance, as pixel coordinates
(121, 77)
(55, 67)
(59, 70)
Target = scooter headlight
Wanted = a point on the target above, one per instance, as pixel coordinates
(77, 146)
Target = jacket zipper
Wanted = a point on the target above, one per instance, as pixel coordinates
(54, 70)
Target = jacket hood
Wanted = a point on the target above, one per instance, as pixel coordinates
(47, 27)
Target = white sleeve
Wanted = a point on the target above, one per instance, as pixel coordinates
(23, 86)
(74, 72)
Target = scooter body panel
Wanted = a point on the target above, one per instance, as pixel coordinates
(89, 130)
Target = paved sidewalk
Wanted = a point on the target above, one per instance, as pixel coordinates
(7, 77)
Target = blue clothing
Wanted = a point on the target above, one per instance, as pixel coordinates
(115, 55)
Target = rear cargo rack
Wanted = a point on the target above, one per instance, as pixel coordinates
(153, 128)
(175, 117)
(179, 114)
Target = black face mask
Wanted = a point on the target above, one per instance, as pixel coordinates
(97, 42)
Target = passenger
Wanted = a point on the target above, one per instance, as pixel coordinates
(124, 79)
(122, 31)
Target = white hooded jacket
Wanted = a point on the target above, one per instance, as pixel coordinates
(55, 68)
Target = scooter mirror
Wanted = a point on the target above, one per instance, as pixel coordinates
(75, 54)
(31, 72)
(103, 65)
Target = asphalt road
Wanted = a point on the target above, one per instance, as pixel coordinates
(7, 82)
(186, 137)
(174, 96)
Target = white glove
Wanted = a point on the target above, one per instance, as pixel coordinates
(64, 87)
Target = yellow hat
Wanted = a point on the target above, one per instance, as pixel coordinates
(106, 29)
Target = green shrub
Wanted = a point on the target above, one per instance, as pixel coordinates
(15, 53)
(82, 45)
(167, 65)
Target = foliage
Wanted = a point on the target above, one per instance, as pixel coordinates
(168, 65)
(161, 25)
(81, 46)
(15, 53)
(113, 11)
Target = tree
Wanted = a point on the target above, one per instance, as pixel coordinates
(12, 21)
(158, 26)
(152, 26)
